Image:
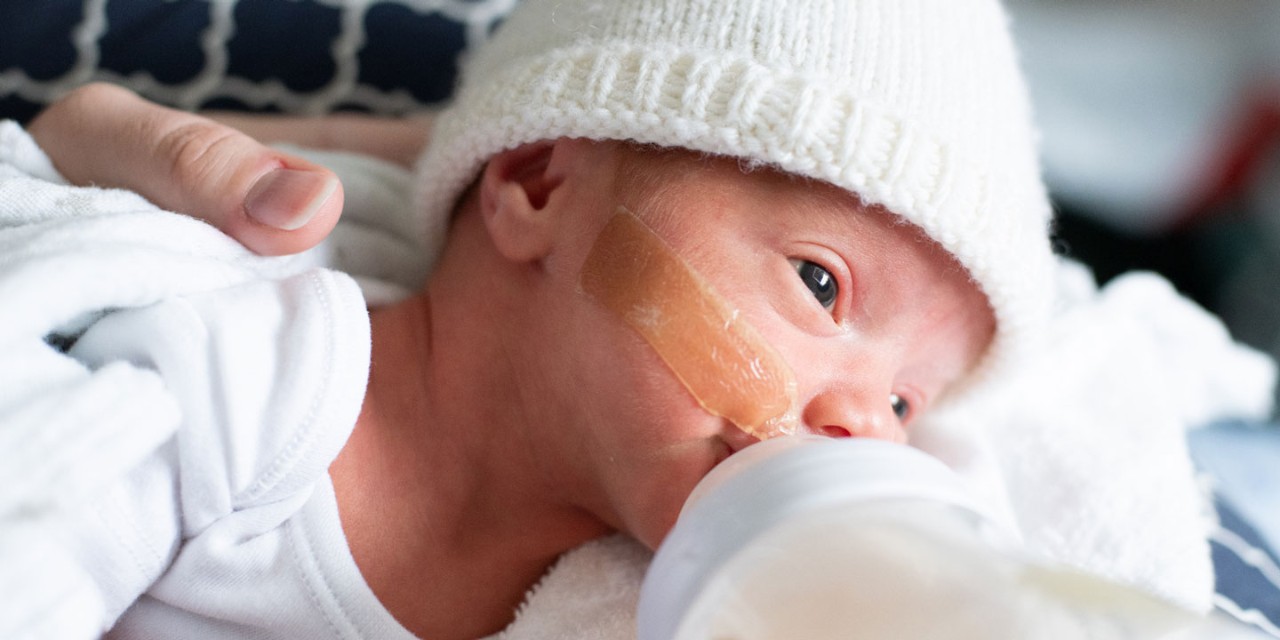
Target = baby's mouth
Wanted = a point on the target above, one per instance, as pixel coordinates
(736, 439)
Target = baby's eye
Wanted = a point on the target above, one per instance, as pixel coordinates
(819, 281)
(901, 407)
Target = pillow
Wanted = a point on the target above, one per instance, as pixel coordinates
(295, 56)
(1237, 460)
(1248, 572)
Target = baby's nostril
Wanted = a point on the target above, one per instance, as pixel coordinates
(832, 431)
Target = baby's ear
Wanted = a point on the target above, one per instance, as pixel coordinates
(515, 190)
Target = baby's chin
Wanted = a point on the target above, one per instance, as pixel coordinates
(651, 518)
(652, 525)
(652, 536)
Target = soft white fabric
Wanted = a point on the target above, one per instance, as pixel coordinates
(590, 594)
(916, 105)
(68, 429)
(228, 528)
(147, 431)
(1084, 447)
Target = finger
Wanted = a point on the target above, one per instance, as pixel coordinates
(271, 202)
(399, 140)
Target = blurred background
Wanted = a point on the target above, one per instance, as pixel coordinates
(1160, 130)
(1160, 120)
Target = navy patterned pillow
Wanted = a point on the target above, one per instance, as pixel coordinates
(1248, 572)
(295, 56)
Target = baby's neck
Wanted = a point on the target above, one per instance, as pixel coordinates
(441, 503)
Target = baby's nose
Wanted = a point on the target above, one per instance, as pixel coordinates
(841, 414)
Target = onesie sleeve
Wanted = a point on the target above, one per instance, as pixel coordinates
(156, 378)
(270, 377)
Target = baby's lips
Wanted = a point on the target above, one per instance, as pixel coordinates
(728, 367)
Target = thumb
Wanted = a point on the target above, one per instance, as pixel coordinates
(271, 202)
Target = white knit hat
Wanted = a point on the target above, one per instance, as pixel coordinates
(916, 105)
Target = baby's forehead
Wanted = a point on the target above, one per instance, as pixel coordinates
(655, 169)
(681, 179)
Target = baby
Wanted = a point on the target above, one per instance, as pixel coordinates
(666, 229)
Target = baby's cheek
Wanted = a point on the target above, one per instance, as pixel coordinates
(723, 362)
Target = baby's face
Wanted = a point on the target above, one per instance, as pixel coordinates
(870, 319)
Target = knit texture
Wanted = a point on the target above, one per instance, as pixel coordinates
(915, 105)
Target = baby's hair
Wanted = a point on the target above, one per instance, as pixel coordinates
(645, 170)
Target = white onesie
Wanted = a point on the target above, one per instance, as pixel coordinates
(231, 528)
(169, 407)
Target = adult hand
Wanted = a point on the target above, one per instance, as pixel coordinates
(396, 140)
(272, 202)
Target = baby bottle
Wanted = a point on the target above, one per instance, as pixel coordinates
(814, 538)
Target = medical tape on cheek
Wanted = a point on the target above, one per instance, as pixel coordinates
(728, 367)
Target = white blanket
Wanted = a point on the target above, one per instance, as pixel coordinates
(1083, 449)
